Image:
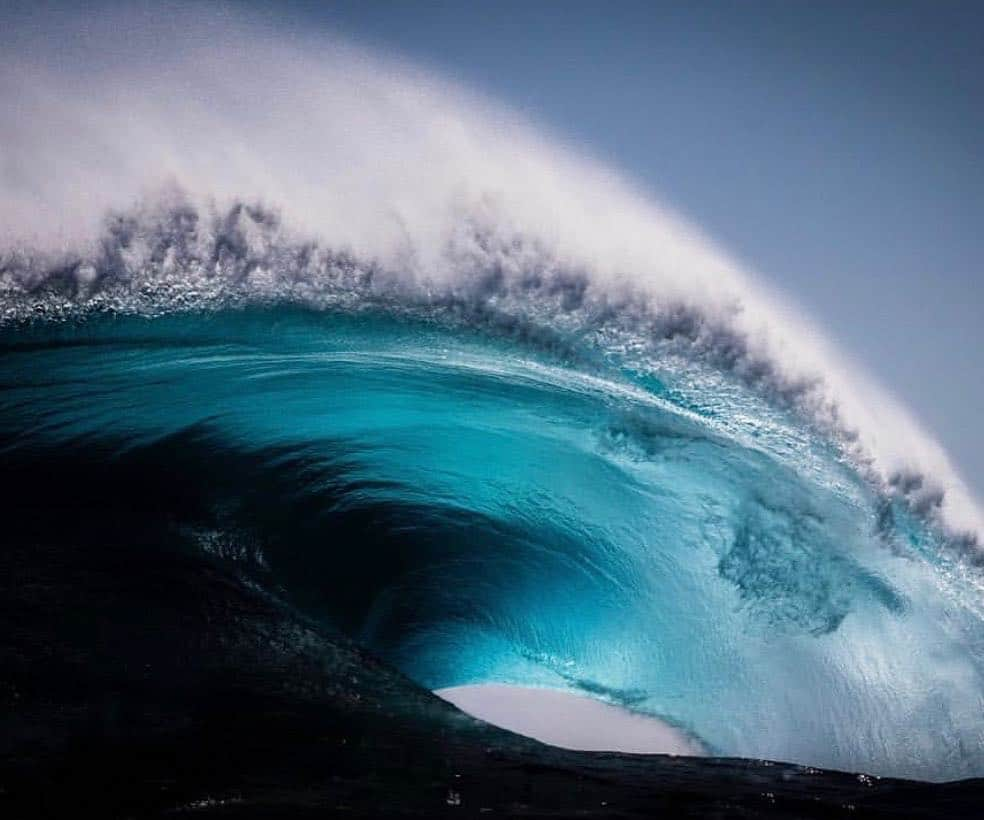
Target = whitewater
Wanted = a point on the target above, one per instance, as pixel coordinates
(455, 388)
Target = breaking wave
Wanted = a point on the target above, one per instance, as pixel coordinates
(471, 399)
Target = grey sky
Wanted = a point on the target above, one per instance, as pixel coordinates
(833, 147)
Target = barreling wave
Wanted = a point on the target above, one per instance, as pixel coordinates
(473, 400)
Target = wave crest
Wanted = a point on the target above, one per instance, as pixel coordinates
(170, 255)
(394, 184)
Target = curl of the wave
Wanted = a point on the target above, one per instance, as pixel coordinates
(304, 169)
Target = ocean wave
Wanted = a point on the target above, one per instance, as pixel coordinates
(397, 360)
(476, 504)
(248, 161)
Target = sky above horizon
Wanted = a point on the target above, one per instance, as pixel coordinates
(834, 148)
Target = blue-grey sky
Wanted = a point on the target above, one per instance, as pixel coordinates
(836, 148)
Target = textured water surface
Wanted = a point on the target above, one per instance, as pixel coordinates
(480, 502)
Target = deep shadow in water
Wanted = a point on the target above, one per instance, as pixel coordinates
(146, 677)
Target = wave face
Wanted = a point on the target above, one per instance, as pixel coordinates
(511, 481)
(483, 410)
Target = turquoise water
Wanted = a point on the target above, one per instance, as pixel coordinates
(479, 503)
